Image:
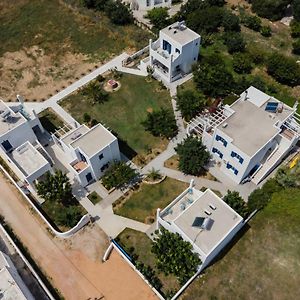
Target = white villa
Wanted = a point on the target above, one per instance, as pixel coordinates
(203, 219)
(20, 147)
(12, 286)
(174, 53)
(149, 4)
(88, 151)
(251, 137)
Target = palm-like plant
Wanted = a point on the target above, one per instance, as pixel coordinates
(154, 174)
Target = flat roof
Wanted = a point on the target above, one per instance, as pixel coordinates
(94, 140)
(9, 119)
(28, 159)
(73, 135)
(180, 33)
(12, 286)
(251, 126)
(224, 219)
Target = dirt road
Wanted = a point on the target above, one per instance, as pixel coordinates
(74, 265)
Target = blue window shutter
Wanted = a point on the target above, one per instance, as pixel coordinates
(241, 160)
(232, 154)
(221, 155)
(236, 171)
(225, 143)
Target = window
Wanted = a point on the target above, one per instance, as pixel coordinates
(82, 157)
(167, 46)
(229, 166)
(104, 167)
(238, 157)
(7, 146)
(88, 177)
(177, 50)
(220, 139)
(215, 150)
(101, 156)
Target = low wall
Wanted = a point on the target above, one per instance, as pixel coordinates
(136, 55)
(83, 221)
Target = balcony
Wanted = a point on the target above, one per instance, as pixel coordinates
(79, 165)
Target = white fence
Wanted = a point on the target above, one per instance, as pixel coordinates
(83, 221)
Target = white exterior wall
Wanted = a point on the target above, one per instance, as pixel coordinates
(150, 4)
(32, 177)
(81, 177)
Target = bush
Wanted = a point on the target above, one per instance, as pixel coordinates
(231, 22)
(190, 103)
(161, 123)
(118, 12)
(252, 22)
(236, 202)
(234, 42)
(212, 76)
(270, 9)
(118, 175)
(242, 63)
(284, 69)
(69, 216)
(295, 29)
(296, 47)
(193, 156)
(266, 31)
(257, 55)
(296, 9)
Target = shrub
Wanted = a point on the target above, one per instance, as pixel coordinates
(296, 47)
(231, 22)
(69, 216)
(252, 22)
(190, 103)
(236, 202)
(118, 12)
(284, 69)
(193, 156)
(295, 29)
(266, 31)
(257, 55)
(161, 123)
(234, 42)
(242, 63)
(86, 118)
(118, 175)
(270, 9)
(159, 17)
(296, 9)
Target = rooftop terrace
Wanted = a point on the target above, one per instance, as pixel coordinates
(196, 204)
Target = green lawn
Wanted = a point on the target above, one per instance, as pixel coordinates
(125, 110)
(57, 28)
(50, 120)
(141, 244)
(264, 263)
(142, 204)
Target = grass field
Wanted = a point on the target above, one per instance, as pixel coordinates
(94, 198)
(57, 28)
(264, 263)
(142, 247)
(125, 110)
(143, 203)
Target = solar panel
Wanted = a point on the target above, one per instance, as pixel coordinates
(271, 106)
(198, 222)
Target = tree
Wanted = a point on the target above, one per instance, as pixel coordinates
(175, 256)
(231, 22)
(242, 63)
(158, 17)
(270, 9)
(118, 12)
(190, 103)
(296, 9)
(161, 123)
(234, 42)
(212, 76)
(95, 92)
(86, 118)
(119, 174)
(236, 202)
(69, 216)
(95, 4)
(295, 29)
(56, 187)
(150, 275)
(193, 156)
(284, 69)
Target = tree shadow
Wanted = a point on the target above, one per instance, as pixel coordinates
(125, 148)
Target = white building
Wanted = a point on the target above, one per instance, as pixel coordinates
(89, 151)
(19, 144)
(12, 287)
(149, 4)
(203, 219)
(251, 137)
(174, 53)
